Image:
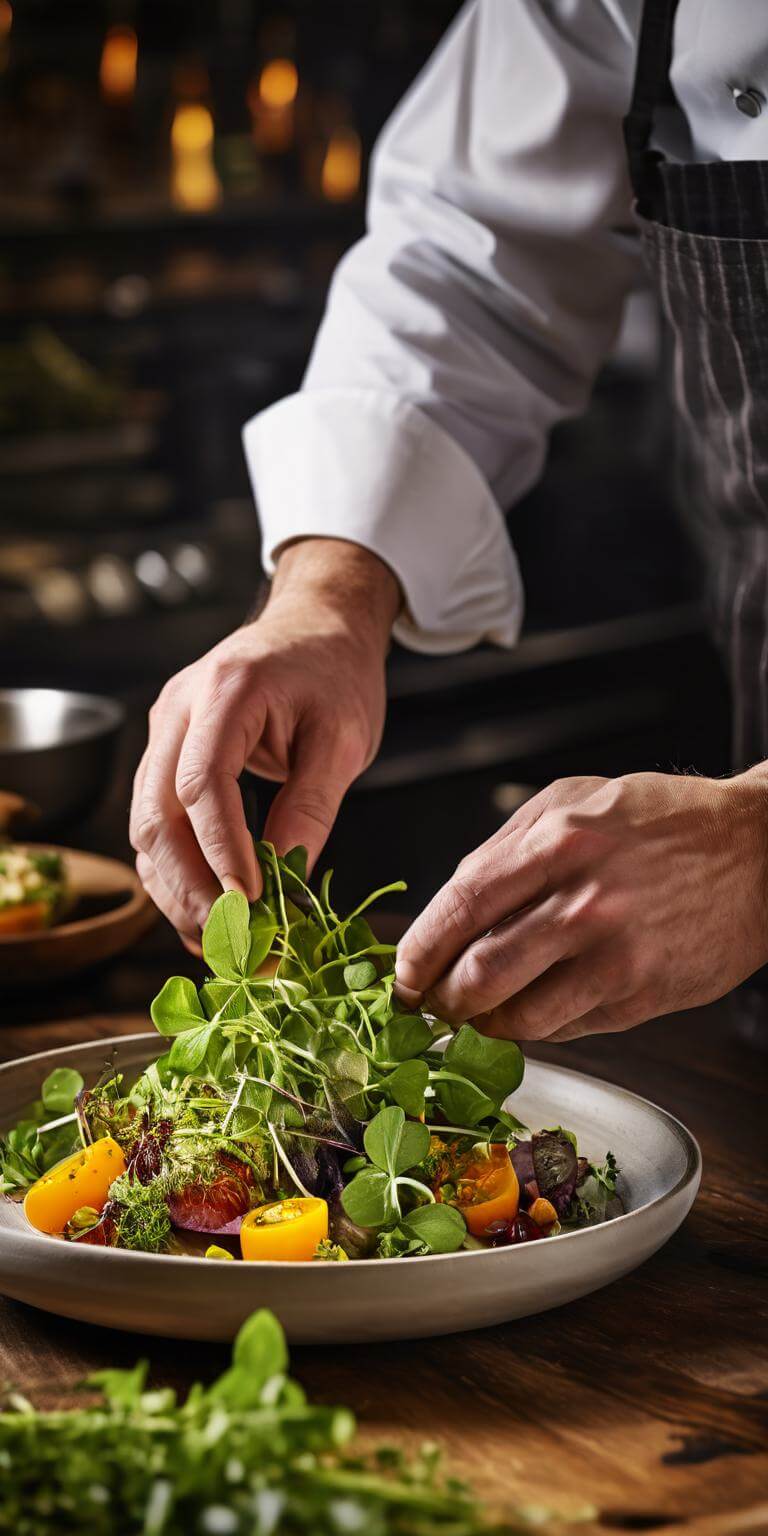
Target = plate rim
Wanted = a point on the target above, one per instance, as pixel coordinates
(691, 1176)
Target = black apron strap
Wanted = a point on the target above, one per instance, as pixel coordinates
(651, 87)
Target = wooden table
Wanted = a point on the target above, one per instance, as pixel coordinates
(647, 1401)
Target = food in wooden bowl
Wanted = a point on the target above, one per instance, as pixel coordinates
(33, 888)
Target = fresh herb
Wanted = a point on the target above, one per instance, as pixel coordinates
(330, 1253)
(48, 1133)
(247, 1454)
(427, 1229)
(393, 1145)
(140, 1212)
(596, 1198)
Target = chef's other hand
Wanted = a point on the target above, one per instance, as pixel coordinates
(298, 695)
(600, 903)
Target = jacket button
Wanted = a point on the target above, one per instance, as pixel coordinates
(750, 102)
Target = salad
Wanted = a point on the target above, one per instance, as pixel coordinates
(298, 1112)
(33, 888)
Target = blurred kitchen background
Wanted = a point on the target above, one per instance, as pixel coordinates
(177, 181)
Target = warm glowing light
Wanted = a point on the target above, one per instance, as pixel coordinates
(6, 17)
(340, 175)
(271, 101)
(278, 83)
(117, 72)
(194, 183)
(192, 128)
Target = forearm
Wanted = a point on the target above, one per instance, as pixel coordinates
(340, 578)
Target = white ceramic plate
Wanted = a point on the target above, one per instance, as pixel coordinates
(195, 1298)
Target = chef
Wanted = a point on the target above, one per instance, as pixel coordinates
(549, 152)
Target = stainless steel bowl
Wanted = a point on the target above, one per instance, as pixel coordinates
(57, 749)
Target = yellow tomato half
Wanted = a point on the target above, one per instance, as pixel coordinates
(284, 1230)
(82, 1179)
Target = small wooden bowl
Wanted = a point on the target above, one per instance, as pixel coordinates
(110, 911)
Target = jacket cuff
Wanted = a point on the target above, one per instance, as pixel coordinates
(366, 466)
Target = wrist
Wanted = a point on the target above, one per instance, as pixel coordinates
(347, 581)
(748, 797)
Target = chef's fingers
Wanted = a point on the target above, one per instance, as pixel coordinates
(608, 1019)
(167, 903)
(569, 992)
(503, 961)
(528, 858)
(159, 827)
(305, 809)
(487, 887)
(222, 733)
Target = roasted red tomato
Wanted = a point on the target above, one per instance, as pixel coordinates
(219, 1204)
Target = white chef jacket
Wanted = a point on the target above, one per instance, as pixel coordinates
(477, 309)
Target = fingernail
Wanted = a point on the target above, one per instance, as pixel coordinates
(405, 984)
(233, 883)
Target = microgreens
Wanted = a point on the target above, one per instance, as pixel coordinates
(247, 1453)
(294, 1051)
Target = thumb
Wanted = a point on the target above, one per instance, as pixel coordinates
(305, 809)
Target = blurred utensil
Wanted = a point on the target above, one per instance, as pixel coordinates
(57, 749)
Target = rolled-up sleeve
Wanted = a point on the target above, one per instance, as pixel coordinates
(470, 319)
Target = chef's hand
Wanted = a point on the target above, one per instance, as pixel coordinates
(600, 903)
(298, 696)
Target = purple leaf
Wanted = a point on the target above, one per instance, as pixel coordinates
(556, 1167)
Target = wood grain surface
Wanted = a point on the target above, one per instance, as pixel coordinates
(646, 1403)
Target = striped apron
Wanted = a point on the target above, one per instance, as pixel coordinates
(704, 233)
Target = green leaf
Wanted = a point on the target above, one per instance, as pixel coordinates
(348, 1072)
(360, 975)
(462, 1103)
(368, 1198)
(294, 863)
(403, 1037)
(227, 936)
(259, 1355)
(383, 1136)
(356, 934)
(189, 1049)
(256, 1096)
(224, 998)
(405, 1086)
(441, 1227)
(509, 1123)
(414, 1146)
(177, 1007)
(264, 927)
(299, 1031)
(122, 1389)
(292, 871)
(495, 1066)
(60, 1090)
(393, 1143)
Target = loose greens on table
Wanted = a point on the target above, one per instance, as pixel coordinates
(293, 1075)
(246, 1455)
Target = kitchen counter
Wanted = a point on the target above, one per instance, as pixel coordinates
(646, 1402)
